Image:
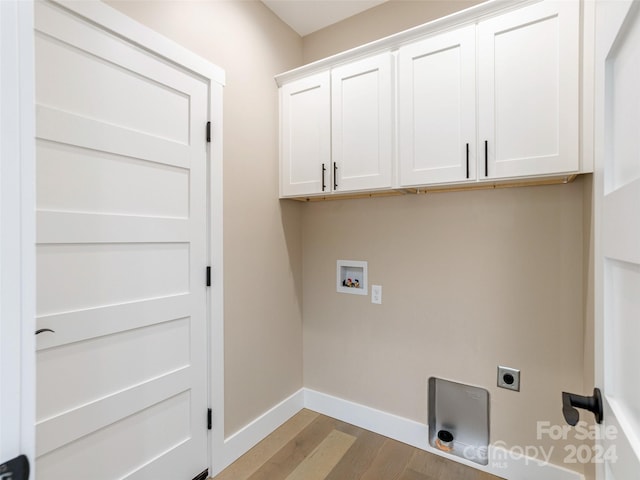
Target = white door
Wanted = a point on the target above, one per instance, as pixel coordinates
(305, 126)
(121, 256)
(361, 128)
(437, 109)
(529, 90)
(617, 200)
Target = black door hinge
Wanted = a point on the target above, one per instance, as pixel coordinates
(208, 132)
(209, 419)
(208, 276)
(203, 476)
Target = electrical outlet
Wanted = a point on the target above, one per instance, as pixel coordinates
(509, 378)
(376, 294)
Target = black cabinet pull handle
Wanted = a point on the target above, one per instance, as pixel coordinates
(324, 169)
(467, 160)
(335, 176)
(486, 158)
(38, 332)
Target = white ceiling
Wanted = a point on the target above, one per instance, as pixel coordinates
(307, 16)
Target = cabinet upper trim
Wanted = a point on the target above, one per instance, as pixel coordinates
(455, 20)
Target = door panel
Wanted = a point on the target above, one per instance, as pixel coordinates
(437, 109)
(73, 178)
(361, 113)
(162, 348)
(529, 90)
(77, 93)
(121, 256)
(538, 44)
(622, 108)
(116, 450)
(99, 274)
(306, 142)
(622, 303)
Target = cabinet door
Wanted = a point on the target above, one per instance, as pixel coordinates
(362, 119)
(528, 91)
(305, 142)
(437, 109)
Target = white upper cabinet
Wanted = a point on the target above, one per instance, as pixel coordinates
(488, 95)
(437, 109)
(528, 84)
(362, 124)
(305, 123)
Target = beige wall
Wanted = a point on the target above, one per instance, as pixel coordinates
(470, 280)
(384, 20)
(262, 242)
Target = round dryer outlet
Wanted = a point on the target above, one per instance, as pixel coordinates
(509, 378)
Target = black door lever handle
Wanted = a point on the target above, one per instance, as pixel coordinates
(16, 469)
(38, 332)
(571, 401)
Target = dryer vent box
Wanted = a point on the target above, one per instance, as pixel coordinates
(459, 419)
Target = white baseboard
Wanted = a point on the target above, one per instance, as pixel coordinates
(247, 437)
(383, 423)
(502, 463)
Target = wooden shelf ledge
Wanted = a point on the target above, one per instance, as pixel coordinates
(441, 189)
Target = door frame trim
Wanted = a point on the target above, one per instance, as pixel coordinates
(17, 231)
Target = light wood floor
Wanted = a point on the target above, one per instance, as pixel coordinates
(311, 446)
